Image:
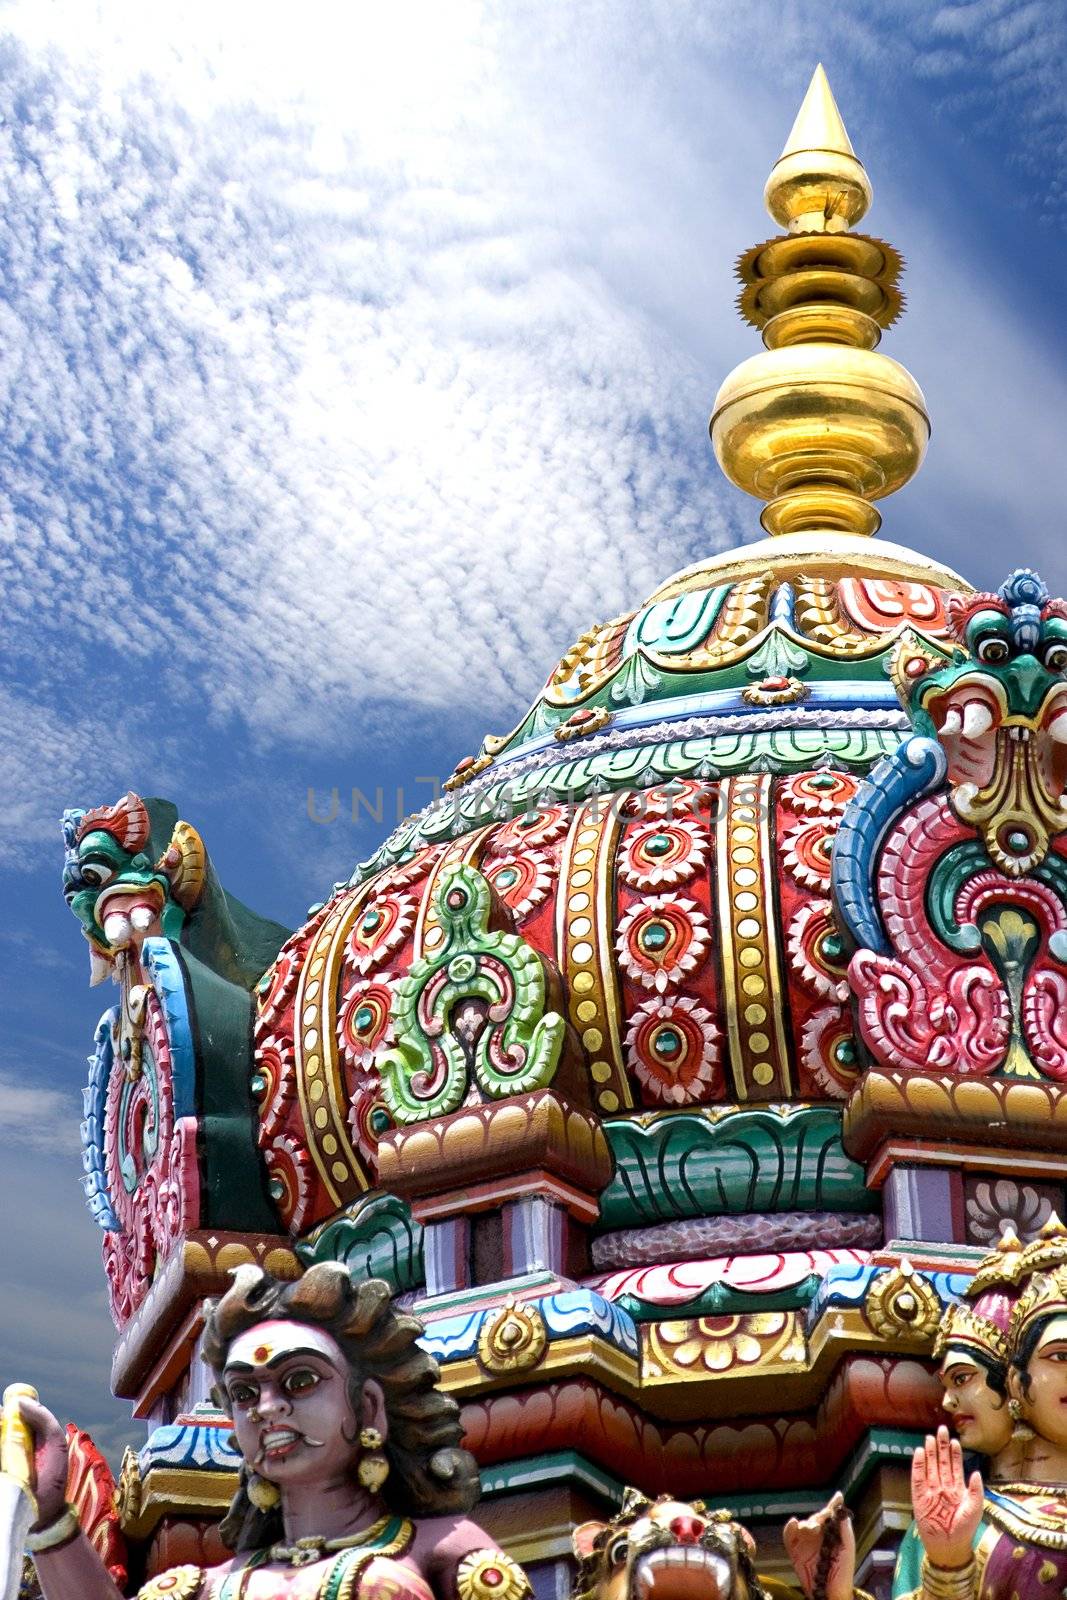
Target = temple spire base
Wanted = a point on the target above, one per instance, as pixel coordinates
(820, 510)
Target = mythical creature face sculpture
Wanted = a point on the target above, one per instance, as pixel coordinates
(999, 709)
(121, 888)
(678, 1550)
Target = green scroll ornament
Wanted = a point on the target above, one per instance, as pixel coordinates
(472, 1014)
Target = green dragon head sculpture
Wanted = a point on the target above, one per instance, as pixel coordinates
(131, 870)
(134, 870)
(998, 706)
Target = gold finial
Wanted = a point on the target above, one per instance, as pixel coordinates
(1047, 1251)
(820, 425)
(1000, 1269)
(818, 184)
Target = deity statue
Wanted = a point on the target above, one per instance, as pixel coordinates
(1004, 1538)
(985, 1352)
(353, 1480)
(972, 1348)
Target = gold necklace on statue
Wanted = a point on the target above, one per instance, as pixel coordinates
(302, 1552)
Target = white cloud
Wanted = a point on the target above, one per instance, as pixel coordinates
(353, 360)
(36, 1118)
(50, 756)
(361, 363)
(55, 1329)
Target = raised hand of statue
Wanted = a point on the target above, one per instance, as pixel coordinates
(822, 1549)
(49, 1460)
(947, 1507)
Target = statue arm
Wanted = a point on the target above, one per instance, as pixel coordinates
(75, 1571)
(462, 1562)
(69, 1569)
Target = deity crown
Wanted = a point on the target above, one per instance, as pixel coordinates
(1045, 1295)
(1002, 1268)
(1045, 1253)
(962, 1328)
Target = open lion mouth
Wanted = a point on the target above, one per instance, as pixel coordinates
(972, 722)
(128, 914)
(681, 1572)
(967, 718)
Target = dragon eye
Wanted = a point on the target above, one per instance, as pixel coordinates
(992, 650)
(618, 1550)
(1055, 657)
(96, 873)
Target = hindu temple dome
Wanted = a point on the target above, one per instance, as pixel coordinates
(677, 1068)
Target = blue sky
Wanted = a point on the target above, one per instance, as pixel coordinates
(354, 358)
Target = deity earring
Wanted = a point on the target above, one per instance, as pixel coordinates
(263, 1494)
(373, 1468)
(1021, 1430)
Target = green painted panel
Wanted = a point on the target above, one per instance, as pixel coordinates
(695, 1164)
(679, 625)
(376, 1238)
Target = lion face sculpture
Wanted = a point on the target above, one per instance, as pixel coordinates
(665, 1549)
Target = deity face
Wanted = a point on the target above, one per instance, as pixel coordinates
(1044, 1402)
(287, 1386)
(979, 1415)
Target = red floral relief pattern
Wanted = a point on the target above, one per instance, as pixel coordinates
(520, 860)
(808, 812)
(664, 935)
(294, 1186)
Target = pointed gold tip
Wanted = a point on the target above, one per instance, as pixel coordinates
(818, 125)
(818, 184)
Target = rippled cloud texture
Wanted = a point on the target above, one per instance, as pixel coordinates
(354, 358)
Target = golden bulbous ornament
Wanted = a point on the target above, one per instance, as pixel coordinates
(807, 417)
(820, 424)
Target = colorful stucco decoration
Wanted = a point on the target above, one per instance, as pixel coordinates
(681, 1064)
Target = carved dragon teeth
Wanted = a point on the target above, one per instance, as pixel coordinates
(681, 1563)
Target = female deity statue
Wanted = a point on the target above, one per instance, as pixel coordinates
(353, 1482)
(973, 1354)
(972, 1349)
(1008, 1537)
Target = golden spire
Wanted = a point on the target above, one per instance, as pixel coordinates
(819, 425)
(818, 185)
